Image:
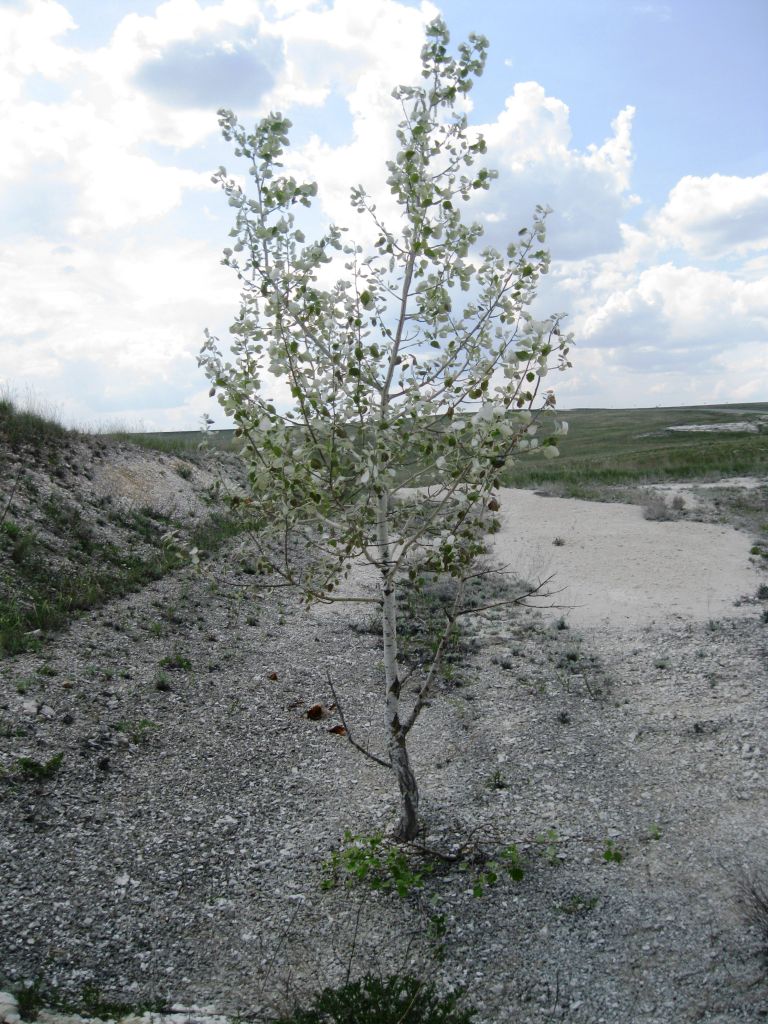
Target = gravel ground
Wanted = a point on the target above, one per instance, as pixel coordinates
(175, 851)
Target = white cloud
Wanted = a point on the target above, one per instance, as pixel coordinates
(529, 144)
(715, 216)
(28, 46)
(666, 303)
(111, 328)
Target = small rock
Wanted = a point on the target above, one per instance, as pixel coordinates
(227, 823)
(9, 1009)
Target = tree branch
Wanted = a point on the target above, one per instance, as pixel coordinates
(348, 734)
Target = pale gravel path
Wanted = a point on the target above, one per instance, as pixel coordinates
(617, 568)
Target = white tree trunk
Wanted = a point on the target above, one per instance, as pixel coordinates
(398, 752)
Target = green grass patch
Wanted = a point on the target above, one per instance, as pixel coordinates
(29, 768)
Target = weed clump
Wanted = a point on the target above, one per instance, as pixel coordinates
(370, 1000)
(657, 510)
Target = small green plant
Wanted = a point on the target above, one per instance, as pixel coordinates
(176, 662)
(662, 663)
(30, 999)
(437, 929)
(654, 832)
(398, 999)
(378, 862)
(548, 842)
(611, 853)
(558, 542)
(137, 732)
(497, 780)
(577, 904)
(11, 530)
(185, 472)
(29, 768)
(508, 862)
(162, 682)
(762, 592)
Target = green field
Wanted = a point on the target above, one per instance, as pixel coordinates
(635, 446)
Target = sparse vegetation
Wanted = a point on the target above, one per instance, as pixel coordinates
(577, 904)
(398, 999)
(137, 732)
(611, 853)
(176, 662)
(388, 865)
(33, 426)
(36, 995)
(73, 556)
(29, 768)
(752, 891)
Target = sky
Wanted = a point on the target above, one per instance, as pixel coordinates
(643, 125)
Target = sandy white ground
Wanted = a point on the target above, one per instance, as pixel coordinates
(617, 568)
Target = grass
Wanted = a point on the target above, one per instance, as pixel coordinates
(33, 426)
(29, 768)
(634, 446)
(175, 442)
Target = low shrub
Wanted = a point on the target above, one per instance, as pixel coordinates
(398, 999)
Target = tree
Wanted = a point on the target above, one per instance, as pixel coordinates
(412, 380)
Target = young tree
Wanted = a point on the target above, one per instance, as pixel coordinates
(412, 380)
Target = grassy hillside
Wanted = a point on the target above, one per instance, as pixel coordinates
(69, 542)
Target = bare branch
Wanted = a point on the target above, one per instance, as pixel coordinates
(347, 733)
(519, 599)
